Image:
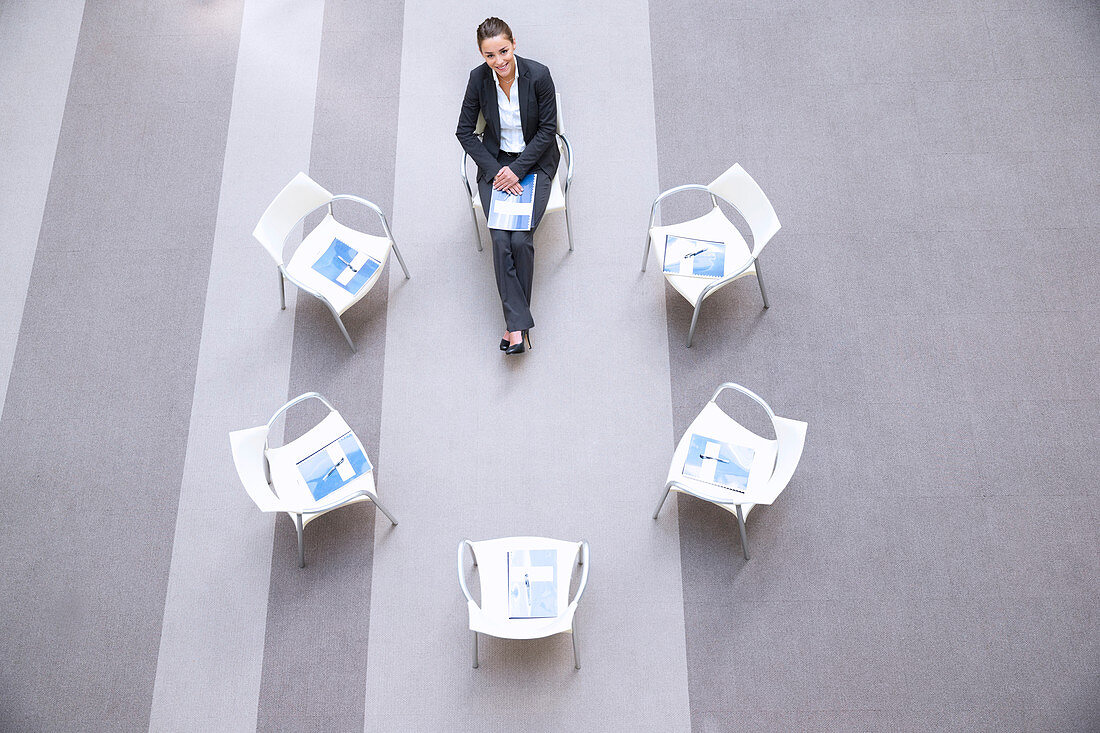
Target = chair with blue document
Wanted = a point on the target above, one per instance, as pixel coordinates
(524, 587)
(324, 469)
(333, 263)
(701, 255)
(559, 189)
(720, 461)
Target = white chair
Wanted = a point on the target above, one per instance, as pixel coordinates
(559, 191)
(773, 461)
(272, 478)
(491, 616)
(739, 190)
(300, 198)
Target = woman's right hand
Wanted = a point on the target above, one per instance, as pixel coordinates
(507, 181)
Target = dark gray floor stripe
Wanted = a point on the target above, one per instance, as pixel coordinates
(95, 422)
(933, 563)
(315, 652)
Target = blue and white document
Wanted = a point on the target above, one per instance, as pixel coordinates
(334, 465)
(533, 584)
(514, 213)
(718, 463)
(346, 267)
(694, 257)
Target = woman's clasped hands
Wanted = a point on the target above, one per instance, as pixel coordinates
(507, 181)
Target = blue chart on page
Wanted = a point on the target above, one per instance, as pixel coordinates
(513, 213)
(333, 466)
(694, 257)
(533, 584)
(718, 463)
(345, 266)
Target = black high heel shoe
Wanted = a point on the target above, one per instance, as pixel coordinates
(504, 344)
(523, 345)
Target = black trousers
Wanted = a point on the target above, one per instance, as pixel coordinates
(514, 253)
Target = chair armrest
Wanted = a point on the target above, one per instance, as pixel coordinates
(461, 574)
(373, 207)
(689, 187)
(465, 176)
(745, 391)
(292, 403)
(568, 160)
(584, 573)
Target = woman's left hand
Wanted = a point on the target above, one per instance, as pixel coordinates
(506, 180)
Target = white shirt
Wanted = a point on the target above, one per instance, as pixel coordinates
(511, 123)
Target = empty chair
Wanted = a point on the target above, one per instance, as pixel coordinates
(324, 469)
(559, 190)
(333, 263)
(528, 606)
(735, 260)
(720, 461)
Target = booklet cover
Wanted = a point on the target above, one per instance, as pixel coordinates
(694, 257)
(334, 465)
(533, 584)
(346, 267)
(513, 212)
(718, 463)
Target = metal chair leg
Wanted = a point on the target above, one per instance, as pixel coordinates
(344, 331)
(694, 320)
(388, 515)
(576, 658)
(568, 224)
(400, 259)
(282, 291)
(475, 650)
(741, 527)
(661, 503)
(645, 255)
(477, 229)
(301, 545)
(760, 281)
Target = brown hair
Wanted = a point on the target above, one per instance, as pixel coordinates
(491, 28)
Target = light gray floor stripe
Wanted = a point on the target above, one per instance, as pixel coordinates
(37, 46)
(570, 440)
(212, 641)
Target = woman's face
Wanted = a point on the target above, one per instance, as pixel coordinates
(498, 52)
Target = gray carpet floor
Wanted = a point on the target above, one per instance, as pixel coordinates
(935, 562)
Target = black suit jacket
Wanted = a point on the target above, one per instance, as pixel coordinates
(538, 114)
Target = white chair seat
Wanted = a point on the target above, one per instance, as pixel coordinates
(314, 245)
(287, 480)
(712, 226)
(492, 565)
(714, 423)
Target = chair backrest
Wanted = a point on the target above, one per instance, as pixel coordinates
(301, 196)
(248, 457)
(791, 438)
(479, 127)
(561, 121)
(739, 188)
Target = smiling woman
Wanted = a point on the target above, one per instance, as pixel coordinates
(517, 98)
